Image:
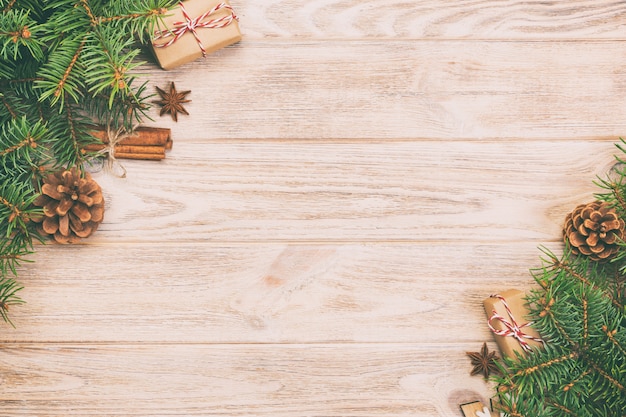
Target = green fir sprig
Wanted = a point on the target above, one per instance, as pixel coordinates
(65, 65)
(579, 308)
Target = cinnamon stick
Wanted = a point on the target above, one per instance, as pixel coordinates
(143, 156)
(125, 149)
(148, 143)
(144, 135)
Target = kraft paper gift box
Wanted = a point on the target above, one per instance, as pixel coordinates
(193, 29)
(475, 409)
(515, 300)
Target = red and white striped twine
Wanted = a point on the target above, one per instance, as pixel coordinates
(512, 328)
(190, 25)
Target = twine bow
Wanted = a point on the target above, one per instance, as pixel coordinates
(114, 137)
(190, 25)
(512, 328)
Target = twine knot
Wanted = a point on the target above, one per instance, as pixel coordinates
(108, 152)
(512, 328)
(191, 24)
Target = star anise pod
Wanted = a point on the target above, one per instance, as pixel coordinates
(484, 362)
(172, 101)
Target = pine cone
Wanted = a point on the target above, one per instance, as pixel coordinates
(594, 229)
(73, 206)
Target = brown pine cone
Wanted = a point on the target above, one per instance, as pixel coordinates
(594, 229)
(73, 206)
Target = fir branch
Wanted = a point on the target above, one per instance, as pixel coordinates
(572, 270)
(139, 17)
(5, 83)
(132, 16)
(61, 76)
(127, 112)
(581, 370)
(8, 297)
(27, 141)
(611, 335)
(18, 34)
(15, 236)
(8, 106)
(64, 64)
(70, 130)
(585, 322)
(9, 6)
(615, 194)
(613, 381)
(561, 408)
(111, 60)
(87, 9)
(576, 380)
(549, 363)
(14, 211)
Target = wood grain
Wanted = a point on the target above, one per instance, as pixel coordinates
(403, 89)
(353, 179)
(409, 191)
(259, 380)
(431, 19)
(195, 293)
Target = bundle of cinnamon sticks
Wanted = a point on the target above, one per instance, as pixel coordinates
(147, 143)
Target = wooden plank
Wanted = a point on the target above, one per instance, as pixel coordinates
(195, 293)
(431, 19)
(403, 89)
(238, 380)
(413, 191)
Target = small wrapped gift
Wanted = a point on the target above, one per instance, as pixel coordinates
(475, 409)
(507, 320)
(194, 29)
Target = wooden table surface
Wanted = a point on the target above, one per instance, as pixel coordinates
(354, 177)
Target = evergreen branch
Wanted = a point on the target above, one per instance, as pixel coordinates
(111, 60)
(18, 32)
(20, 151)
(611, 335)
(73, 135)
(9, 108)
(540, 366)
(15, 214)
(509, 410)
(560, 329)
(48, 100)
(68, 70)
(585, 321)
(615, 193)
(565, 266)
(56, 74)
(575, 381)
(20, 81)
(15, 35)
(127, 111)
(70, 130)
(9, 6)
(561, 408)
(87, 9)
(8, 297)
(13, 209)
(614, 382)
(132, 16)
(28, 141)
(139, 17)
(14, 206)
